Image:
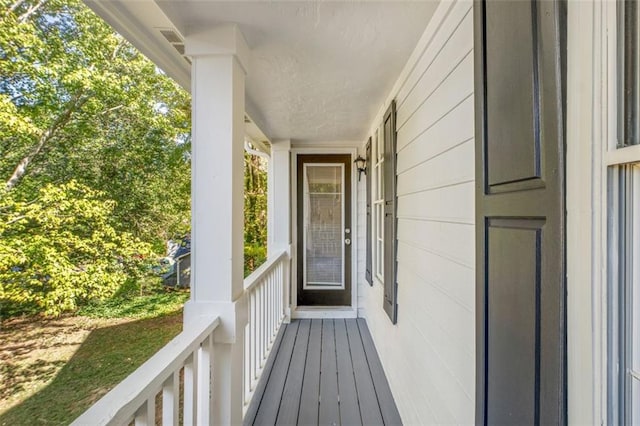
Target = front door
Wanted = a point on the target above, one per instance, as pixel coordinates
(520, 214)
(324, 230)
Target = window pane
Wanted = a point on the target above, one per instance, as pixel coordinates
(323, 220)
(380, 139)
(635, 401)
(624, 297)
(633, 260)
(629, 45)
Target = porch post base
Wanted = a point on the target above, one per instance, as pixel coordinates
(226, 389)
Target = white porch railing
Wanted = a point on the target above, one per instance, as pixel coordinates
(134, 399)
(266, 291)
(180, 374)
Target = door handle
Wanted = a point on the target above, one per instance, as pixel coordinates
(347, 241)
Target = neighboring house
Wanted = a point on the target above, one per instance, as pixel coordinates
(492, 247)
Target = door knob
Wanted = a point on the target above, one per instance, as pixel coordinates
(347, 241)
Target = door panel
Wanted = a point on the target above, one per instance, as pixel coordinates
(324, 230)
(520, 219)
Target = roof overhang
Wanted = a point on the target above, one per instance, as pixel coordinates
(318, 70)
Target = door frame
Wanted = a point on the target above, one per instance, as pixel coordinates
(325, 311)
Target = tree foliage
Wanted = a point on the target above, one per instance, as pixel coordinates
(94, 160)
(79, 102)
(60, 250)
(255, 212)
(94, 157)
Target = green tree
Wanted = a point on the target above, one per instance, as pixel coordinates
(79, 102)
(60, 250)
(94, 157)
(255, 212)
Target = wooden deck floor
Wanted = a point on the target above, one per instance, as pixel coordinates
(323, 372)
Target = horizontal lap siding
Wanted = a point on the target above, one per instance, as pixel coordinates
(429, 355)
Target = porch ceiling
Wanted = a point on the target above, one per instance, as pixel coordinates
(319, 70)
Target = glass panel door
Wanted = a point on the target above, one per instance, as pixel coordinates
(323, 229)
(323, 226)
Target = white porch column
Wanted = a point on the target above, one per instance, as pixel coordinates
(219, 62)
(217, 80)
(279, 210)
(279, 197)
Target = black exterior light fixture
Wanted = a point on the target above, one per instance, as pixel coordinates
(361, 165)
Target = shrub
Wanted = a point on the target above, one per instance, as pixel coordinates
(61, 250)
(254, 256)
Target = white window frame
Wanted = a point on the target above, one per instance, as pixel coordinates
(377, 184)
(623, 332)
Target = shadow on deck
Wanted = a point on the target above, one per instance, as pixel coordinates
(323, 372)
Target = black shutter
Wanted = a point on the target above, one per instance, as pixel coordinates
(520, 213)
(368, 274)
(390, 284)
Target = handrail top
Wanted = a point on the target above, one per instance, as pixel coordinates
(182, 256)
(124, 399)
(254, 278)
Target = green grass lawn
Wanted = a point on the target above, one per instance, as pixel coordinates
(52, 370)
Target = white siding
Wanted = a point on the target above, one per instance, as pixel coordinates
(429, 356)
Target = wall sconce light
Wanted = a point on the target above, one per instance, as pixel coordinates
(361, 165)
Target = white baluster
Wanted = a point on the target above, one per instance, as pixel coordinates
(270, 309)
(246, 376)
(146, 414)
(203, 395)
(254, 339)
(279, 279)
(171, 399)
(190, 390)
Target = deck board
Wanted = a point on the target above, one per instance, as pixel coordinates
(268, 412)
(367, 398)
(252, 411)
(349, 408)
(324, 372)
(308, 412)
(390, 414)
(329, 413)
(290, 403)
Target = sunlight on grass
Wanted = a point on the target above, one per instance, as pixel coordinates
(53, 370)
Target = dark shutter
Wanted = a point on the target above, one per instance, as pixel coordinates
(368, 274)
(390, 284)
(520, 213)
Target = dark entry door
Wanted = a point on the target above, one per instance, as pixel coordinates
(324, 230)
(520, 212)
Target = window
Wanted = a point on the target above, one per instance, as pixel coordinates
(623, 338)
(385, 210)
(378, 205)
(624, 291)
(629, 73)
